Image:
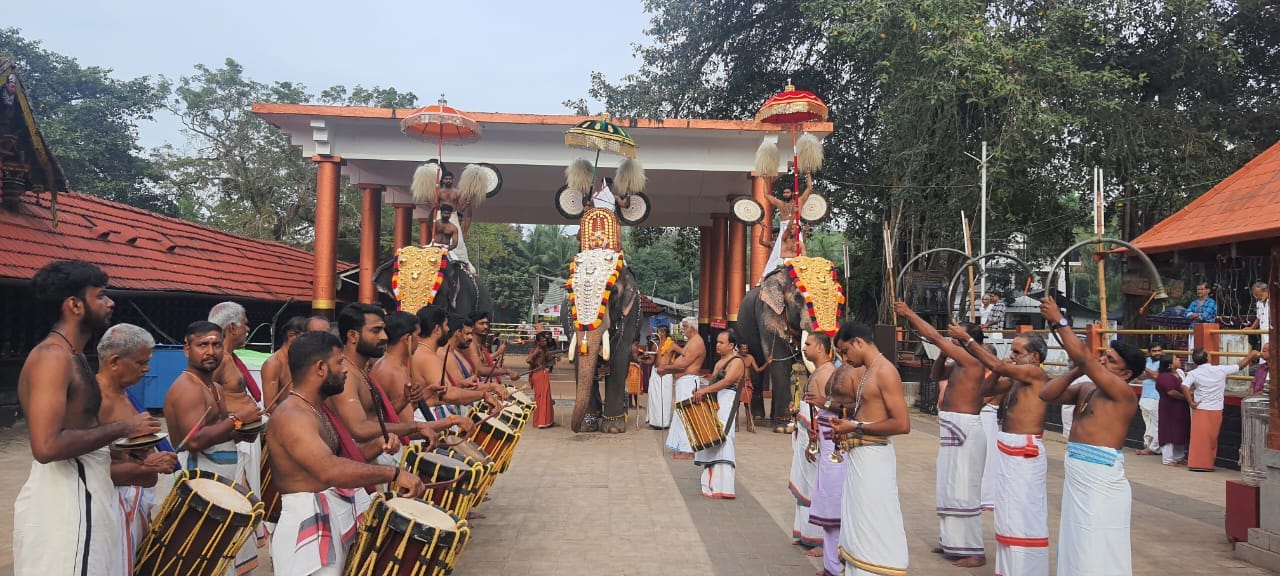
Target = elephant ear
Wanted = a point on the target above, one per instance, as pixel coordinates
(771, 293)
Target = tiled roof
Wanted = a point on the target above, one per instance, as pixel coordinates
(143, 250)
(1244, 206)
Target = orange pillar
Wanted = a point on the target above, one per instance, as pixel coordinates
(704, 275)
(719, 235)
(404, 225)
(735, 278)
(324, 289)
(1207, 340)
(370, 228)
(760, 254)
(424, 232)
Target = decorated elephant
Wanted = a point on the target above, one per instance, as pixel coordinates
(602, 311)
(426, 275)
(803, 297)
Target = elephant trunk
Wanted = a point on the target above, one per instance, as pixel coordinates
(585, 367)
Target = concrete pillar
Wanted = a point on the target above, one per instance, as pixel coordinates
(403, 235)
(370, 228)
(736, 276)
(325, 247)
(424, 232)
(760, 254)
(719, 237)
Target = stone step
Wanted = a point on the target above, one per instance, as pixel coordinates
(1258, 556)
(1264, 540)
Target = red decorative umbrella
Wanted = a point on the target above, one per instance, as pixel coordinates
(791, 108)
(440, 123)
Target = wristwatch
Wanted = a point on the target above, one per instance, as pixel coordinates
(1062, 323)
(858, 429)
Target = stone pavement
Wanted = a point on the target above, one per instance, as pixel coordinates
(594, 504)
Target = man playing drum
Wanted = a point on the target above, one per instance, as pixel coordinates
(124, 356)
(428, 371)
(318, 487)
(68, 503)
(872, 537)
(686, 367)
(275, 369)
(392, 370)
(719, 461)
(362, 405)
(488, 364)
(196, 410)
(459, 371)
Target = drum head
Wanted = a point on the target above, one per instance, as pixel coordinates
(569, 202)
(422, 513)
(497, 425)
(466, 448)
(492, 179)
(221, 495)
(521, 397)
(254, 427)
(747, 211)
(814, 209)
(145, 441)
(443, 461)
(637, 209)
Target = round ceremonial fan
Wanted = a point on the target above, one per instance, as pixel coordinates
(492, 177)
(747, 211)
(637, 209)
(814, 209)
(569, 202)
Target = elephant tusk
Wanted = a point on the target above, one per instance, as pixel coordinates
(604, 347)
(808, 364)
(573, 347)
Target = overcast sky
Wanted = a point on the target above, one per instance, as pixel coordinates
(485, 55)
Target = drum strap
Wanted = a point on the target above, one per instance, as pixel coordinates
(733, 416)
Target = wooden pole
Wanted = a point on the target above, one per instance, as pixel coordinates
(968, 251)
(1100, 255)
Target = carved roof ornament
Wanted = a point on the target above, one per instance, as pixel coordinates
(26, 164)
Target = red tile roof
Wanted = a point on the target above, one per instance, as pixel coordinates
(1244, 206)
(143, 250)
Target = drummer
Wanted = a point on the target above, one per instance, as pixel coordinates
(458, 368)
(196, 410)
(362, 405)
(275, 369)
(488, 364)
(428, 370)
(124, 356)
(392, 370)
(719, 461)
(319, 488)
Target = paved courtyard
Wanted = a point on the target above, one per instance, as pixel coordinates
(594, 504)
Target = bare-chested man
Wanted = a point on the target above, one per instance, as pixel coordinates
(68, 502)
(1096, 497)
(428, 371)
(124, 356)
(446, 234)
(786, 207)
(1021, 500)
(362, 406)
(232, 374)
(488, 365)
(816, 479)
(872, 537)
(962, 451)
(197, 412)
(459, 371)
(392, 370)
(686, 368)
(316, 484)
(275, 369)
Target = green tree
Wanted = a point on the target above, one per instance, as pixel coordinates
(494, 250)
(89, 121)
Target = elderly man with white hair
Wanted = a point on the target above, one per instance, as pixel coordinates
(124, 357)
(686, 368)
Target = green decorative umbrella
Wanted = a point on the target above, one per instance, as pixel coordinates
(601, 135)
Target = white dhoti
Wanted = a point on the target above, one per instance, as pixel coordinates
(775, 255)
(1096, 502)
(459, 254)
(251, 456)
(67, 520)
(136, 503)
(1022, 507)
(828, 489)
(1150, 408)
(990, 427)
(227, 461)
(677, 440)
(660, 404)
(803, 473)
(718, 461)
(314, 534)
(962, 454)
(872, 537)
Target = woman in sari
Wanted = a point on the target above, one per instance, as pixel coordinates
(1175, 412)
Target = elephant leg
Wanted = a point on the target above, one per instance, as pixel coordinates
(615, 393)
(780, 385)
(757, 399)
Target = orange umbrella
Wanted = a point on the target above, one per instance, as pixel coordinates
(791, 108)
(440, 123)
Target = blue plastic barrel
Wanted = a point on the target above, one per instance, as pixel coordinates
(167, 363)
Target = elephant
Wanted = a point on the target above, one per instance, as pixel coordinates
(621, 324)
(460, 292)
(771, 321)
